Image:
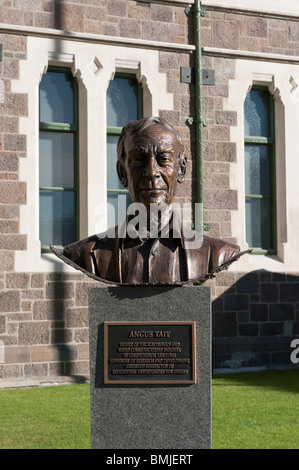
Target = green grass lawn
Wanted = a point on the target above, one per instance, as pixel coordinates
(256, 410)
(55, 417)
(250, 411)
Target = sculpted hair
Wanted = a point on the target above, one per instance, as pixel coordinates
(134, 127)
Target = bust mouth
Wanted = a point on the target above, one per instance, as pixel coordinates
(153, 191)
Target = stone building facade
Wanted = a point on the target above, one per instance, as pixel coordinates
(43, 304)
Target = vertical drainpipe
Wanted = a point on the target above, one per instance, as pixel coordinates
(199, 121)
(198, 102)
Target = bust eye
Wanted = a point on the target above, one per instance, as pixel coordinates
(135, 160)
(164, 158)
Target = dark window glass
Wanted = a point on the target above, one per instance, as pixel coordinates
(57, 98)
(124, 104)
(122, 101)
(56, 164)
(259, 170)
(58, 159)
(257, 118)
(57, 217)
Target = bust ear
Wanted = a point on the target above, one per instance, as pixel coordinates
(122, 174)
(182, 168)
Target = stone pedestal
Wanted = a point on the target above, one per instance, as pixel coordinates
(150, 415)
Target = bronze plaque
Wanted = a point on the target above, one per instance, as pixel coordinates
(149, 352)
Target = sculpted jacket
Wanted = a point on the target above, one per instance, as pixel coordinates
(176, 257)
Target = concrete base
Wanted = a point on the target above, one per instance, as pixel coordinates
(151, 416)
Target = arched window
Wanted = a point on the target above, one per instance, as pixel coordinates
(58, 155)
(260, 171)
(124, 104)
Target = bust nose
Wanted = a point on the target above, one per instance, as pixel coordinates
(151, 169)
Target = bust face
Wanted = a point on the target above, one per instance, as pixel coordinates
(152, 165)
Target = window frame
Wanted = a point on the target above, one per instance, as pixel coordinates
(65, 128)
(270, 143)
(116, 131)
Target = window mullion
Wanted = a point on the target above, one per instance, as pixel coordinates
(55, 188)
(120, 191)
(113, 130)
(57, 126)
(258, 196)
(258, 140)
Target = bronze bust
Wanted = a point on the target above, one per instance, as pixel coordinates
(151, 162)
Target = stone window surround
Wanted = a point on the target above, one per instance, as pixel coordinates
(94, 66)
(280, 78)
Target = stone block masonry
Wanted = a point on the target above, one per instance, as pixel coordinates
(255, 315)
(255, 318)
(44, 316)
(119, 18)
(43, 331)
(239, 31)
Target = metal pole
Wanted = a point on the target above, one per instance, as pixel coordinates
(198, 103)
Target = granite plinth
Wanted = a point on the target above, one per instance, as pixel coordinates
(151, 416)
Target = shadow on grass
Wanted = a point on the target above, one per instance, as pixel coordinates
(280, 380)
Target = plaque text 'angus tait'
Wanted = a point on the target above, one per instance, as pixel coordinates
(149, 352)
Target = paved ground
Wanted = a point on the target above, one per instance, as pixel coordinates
(40, 382)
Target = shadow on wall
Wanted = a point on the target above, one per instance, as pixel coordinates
(255, 321)
(279, 380)
(66, 308)
(58, 15)
(63, 330)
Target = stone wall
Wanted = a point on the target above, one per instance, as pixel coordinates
(254, 32)
(44, 316)
(122, 18)
(254, 319)
(44, 325)
(255, 314)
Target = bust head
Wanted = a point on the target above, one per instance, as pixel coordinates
(151, 161)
